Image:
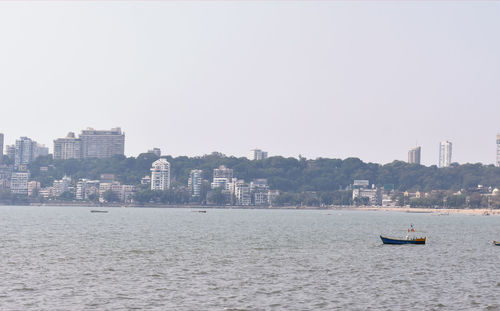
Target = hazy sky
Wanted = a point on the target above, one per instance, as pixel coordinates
(322, 79)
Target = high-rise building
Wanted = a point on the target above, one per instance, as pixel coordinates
(222, 177)
(414, 155)
(160, 175)
(194, 182)
(102, 144)
(41, 150)
(25, 151)
(69, 147)
(257, 154)
(498, 150)
(444, 154)
(10, 151)
(1, 148)
(155, 151)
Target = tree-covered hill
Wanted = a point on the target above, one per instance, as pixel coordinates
(285, 174)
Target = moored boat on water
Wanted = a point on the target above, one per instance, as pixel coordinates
(496, 243)
(408, 240)
(387, 240)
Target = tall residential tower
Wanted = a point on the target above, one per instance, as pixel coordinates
(160, 175)
(498, 150)
(414, 155)
(444, 154)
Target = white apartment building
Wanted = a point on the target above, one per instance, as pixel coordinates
(498, 150)
(160, 175)
(222, 177)
(444, 153)
(69, 147)
(242, 193)
(19, 182)
(194, 182)
(257, 154)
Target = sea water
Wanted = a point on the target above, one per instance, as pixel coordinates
(67, 258)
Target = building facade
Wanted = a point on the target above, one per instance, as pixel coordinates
(242, 193)
(498, 150)
(445, 153)
(222, 177)
(414, 155)
(19, 182)
(1, 148)
(160, 175)
(194, 182)
(102, 144)
(69, 147)
(257, 154)
(25, 151)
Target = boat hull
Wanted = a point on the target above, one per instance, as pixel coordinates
(496, 243)
(387, 240)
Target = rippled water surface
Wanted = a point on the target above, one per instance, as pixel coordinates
(66, 258)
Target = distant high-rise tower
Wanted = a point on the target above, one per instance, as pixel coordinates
(102, 144)
(160, 175)
(25, 151)
(414, 155)
(498, 149)
(257, 154)
(444, 154)
(1, 147)
(68, 147)
(194, 182)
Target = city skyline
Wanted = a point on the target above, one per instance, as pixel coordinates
(113, 142)
(346, 81)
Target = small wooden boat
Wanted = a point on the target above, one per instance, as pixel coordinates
(387, 240)
(496, 243)
(98, 211)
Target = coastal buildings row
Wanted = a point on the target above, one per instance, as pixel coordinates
(239, 192)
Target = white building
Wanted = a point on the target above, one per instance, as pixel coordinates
(61, 186)
(19, 182)
(498, 150)
(222, 177)
(69, 147)
(257, 154)
(194, 182)
(160, 175)
(86, 188)
(444, 154)
(242, 193)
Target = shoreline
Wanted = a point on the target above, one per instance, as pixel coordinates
(423, 210)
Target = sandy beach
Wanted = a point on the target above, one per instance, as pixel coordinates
(468, 211)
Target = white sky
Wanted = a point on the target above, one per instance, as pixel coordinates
(322, 79)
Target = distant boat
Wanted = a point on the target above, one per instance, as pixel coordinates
(387, 240)
(98, 211)
(496, 243)
(202, 211)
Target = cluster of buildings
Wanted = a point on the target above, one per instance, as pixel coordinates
(445, 149)
(90, 143)
(236, 191)
(239, 192)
